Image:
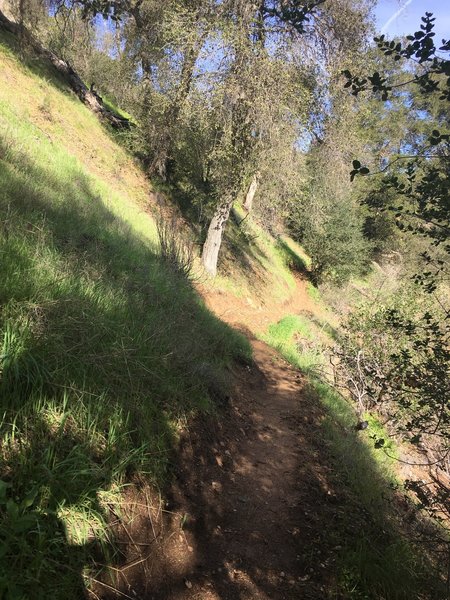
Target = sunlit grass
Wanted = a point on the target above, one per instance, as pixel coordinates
(116, 109)
(313, 292)
(256, 264)
(32, 93)
(300, 260)
(292, 336)
(104, 348)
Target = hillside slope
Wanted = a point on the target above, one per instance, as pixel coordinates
(115, 375)
(105, 347)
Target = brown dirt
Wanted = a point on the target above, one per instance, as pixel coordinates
(255, 511)
(252, 495)
(255, 315)
(250, 489)
(250, 505)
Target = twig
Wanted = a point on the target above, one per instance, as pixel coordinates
(242, 220)
(126, 530)
(417, 464)
(110, 587)
(150, 516)
(94, 594)
(113, 589)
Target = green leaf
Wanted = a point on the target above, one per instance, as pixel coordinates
(29, 499)
(12, 509)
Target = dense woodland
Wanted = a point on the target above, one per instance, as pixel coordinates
(301, 117)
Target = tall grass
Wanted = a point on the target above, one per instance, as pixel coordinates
(104, 348)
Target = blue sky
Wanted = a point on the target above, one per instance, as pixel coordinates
(408, 19)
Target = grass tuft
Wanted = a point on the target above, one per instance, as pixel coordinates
(294, 337)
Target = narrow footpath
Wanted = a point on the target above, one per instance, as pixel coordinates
(255, 510)
(257, 493)
(253, 501)
(255, 486)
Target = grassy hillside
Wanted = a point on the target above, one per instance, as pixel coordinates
(105, 348)
(107, 351)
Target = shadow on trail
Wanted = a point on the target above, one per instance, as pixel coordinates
(271, 513)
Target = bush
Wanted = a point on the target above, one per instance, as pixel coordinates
(331, 233)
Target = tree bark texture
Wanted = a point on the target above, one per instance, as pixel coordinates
(248, 203)
(213, 241)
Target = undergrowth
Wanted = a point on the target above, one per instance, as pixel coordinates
(376, 560)
(294, 337)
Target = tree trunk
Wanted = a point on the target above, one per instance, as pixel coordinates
(248, 204)
(213, 241)
(164, 148)
(72, 78)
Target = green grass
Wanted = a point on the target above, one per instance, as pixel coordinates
(293, 337)
(375, 561)
(313, 292)
(104, 348)
(110, 105)
(254, 263)
(295, 254)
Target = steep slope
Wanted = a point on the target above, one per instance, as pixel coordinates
(106, 350)
(113, 374)
(105, 347)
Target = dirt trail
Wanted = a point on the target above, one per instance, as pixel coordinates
(253, 488)
(251, 484)
(246, 314)
(255, 512)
